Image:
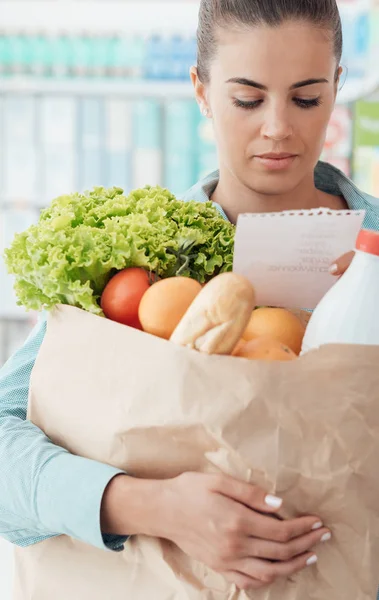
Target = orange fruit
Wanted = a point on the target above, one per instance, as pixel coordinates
(239, 345)
(303, 315)
(265, 348)
(277, 323)
(165, 303)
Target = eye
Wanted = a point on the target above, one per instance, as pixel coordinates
(309, 103)
(247, 105)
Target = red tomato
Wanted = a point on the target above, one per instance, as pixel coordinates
(122, 296)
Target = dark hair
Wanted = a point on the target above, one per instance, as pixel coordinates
(219, 13)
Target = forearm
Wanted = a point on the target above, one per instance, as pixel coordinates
(44, 490)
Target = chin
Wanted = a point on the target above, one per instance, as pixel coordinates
(271, 186)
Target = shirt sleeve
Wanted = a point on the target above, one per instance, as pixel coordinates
(44, 490)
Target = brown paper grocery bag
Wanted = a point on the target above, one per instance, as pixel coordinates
(306, 430)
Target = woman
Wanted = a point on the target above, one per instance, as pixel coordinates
(267, 76)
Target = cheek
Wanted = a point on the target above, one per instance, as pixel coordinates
(235, 129)
(313, 125)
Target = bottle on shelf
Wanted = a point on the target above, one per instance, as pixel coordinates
(4, 53)
(137, 56)
(39, 54)
(61, 49)
(101, 48)
(348, 313)
(157, 59)
(16, 52)
(81, 48)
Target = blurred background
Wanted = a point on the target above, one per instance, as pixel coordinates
(98, 93)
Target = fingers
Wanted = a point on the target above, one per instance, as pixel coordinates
(342, 264)
(260, 525)
(267, 528)
(245, 493)
(277, 551)
(242, 581)
(266, 572)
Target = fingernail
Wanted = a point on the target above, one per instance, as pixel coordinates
(333, 269)
(326, 537)
(312, 560)
(317, 525)
(273, 501)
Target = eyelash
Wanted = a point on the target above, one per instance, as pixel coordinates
(300, 102)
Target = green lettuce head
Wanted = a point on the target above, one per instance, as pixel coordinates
(81, 240)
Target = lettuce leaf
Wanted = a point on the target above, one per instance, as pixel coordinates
(81, 240)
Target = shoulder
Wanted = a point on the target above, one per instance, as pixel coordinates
(359, 200)
(372, 213)
(203, 189)
(332, 180)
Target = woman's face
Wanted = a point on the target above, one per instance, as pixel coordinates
(271, 94)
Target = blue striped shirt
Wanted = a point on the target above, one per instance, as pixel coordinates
(44, 490)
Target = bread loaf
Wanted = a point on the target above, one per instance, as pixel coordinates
(218, 316)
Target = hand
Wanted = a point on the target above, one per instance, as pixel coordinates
(342, 264)
(218, 521)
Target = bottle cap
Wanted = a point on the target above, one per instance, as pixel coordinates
(368, 241)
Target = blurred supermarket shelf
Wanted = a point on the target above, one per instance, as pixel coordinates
(160, 90)
(13, 332)
(165, 90)
(352, 91)
(131, 15)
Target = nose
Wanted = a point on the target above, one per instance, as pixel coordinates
(276, 125)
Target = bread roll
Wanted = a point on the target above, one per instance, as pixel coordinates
(218, 316)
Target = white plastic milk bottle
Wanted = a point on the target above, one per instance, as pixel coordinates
(349, 312)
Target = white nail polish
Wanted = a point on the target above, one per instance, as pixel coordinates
(317, 526)
(312, 560)
(333, 269)
(326, 537)
(273, 501)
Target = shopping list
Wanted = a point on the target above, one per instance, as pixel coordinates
(287, 255)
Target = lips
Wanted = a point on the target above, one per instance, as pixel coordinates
(275, 161)
(276, 155)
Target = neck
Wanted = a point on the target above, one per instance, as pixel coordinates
(235, 198)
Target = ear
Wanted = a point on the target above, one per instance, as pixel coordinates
(338, 79)
(200, 92)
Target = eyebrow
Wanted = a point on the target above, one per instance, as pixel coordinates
(260, 86)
